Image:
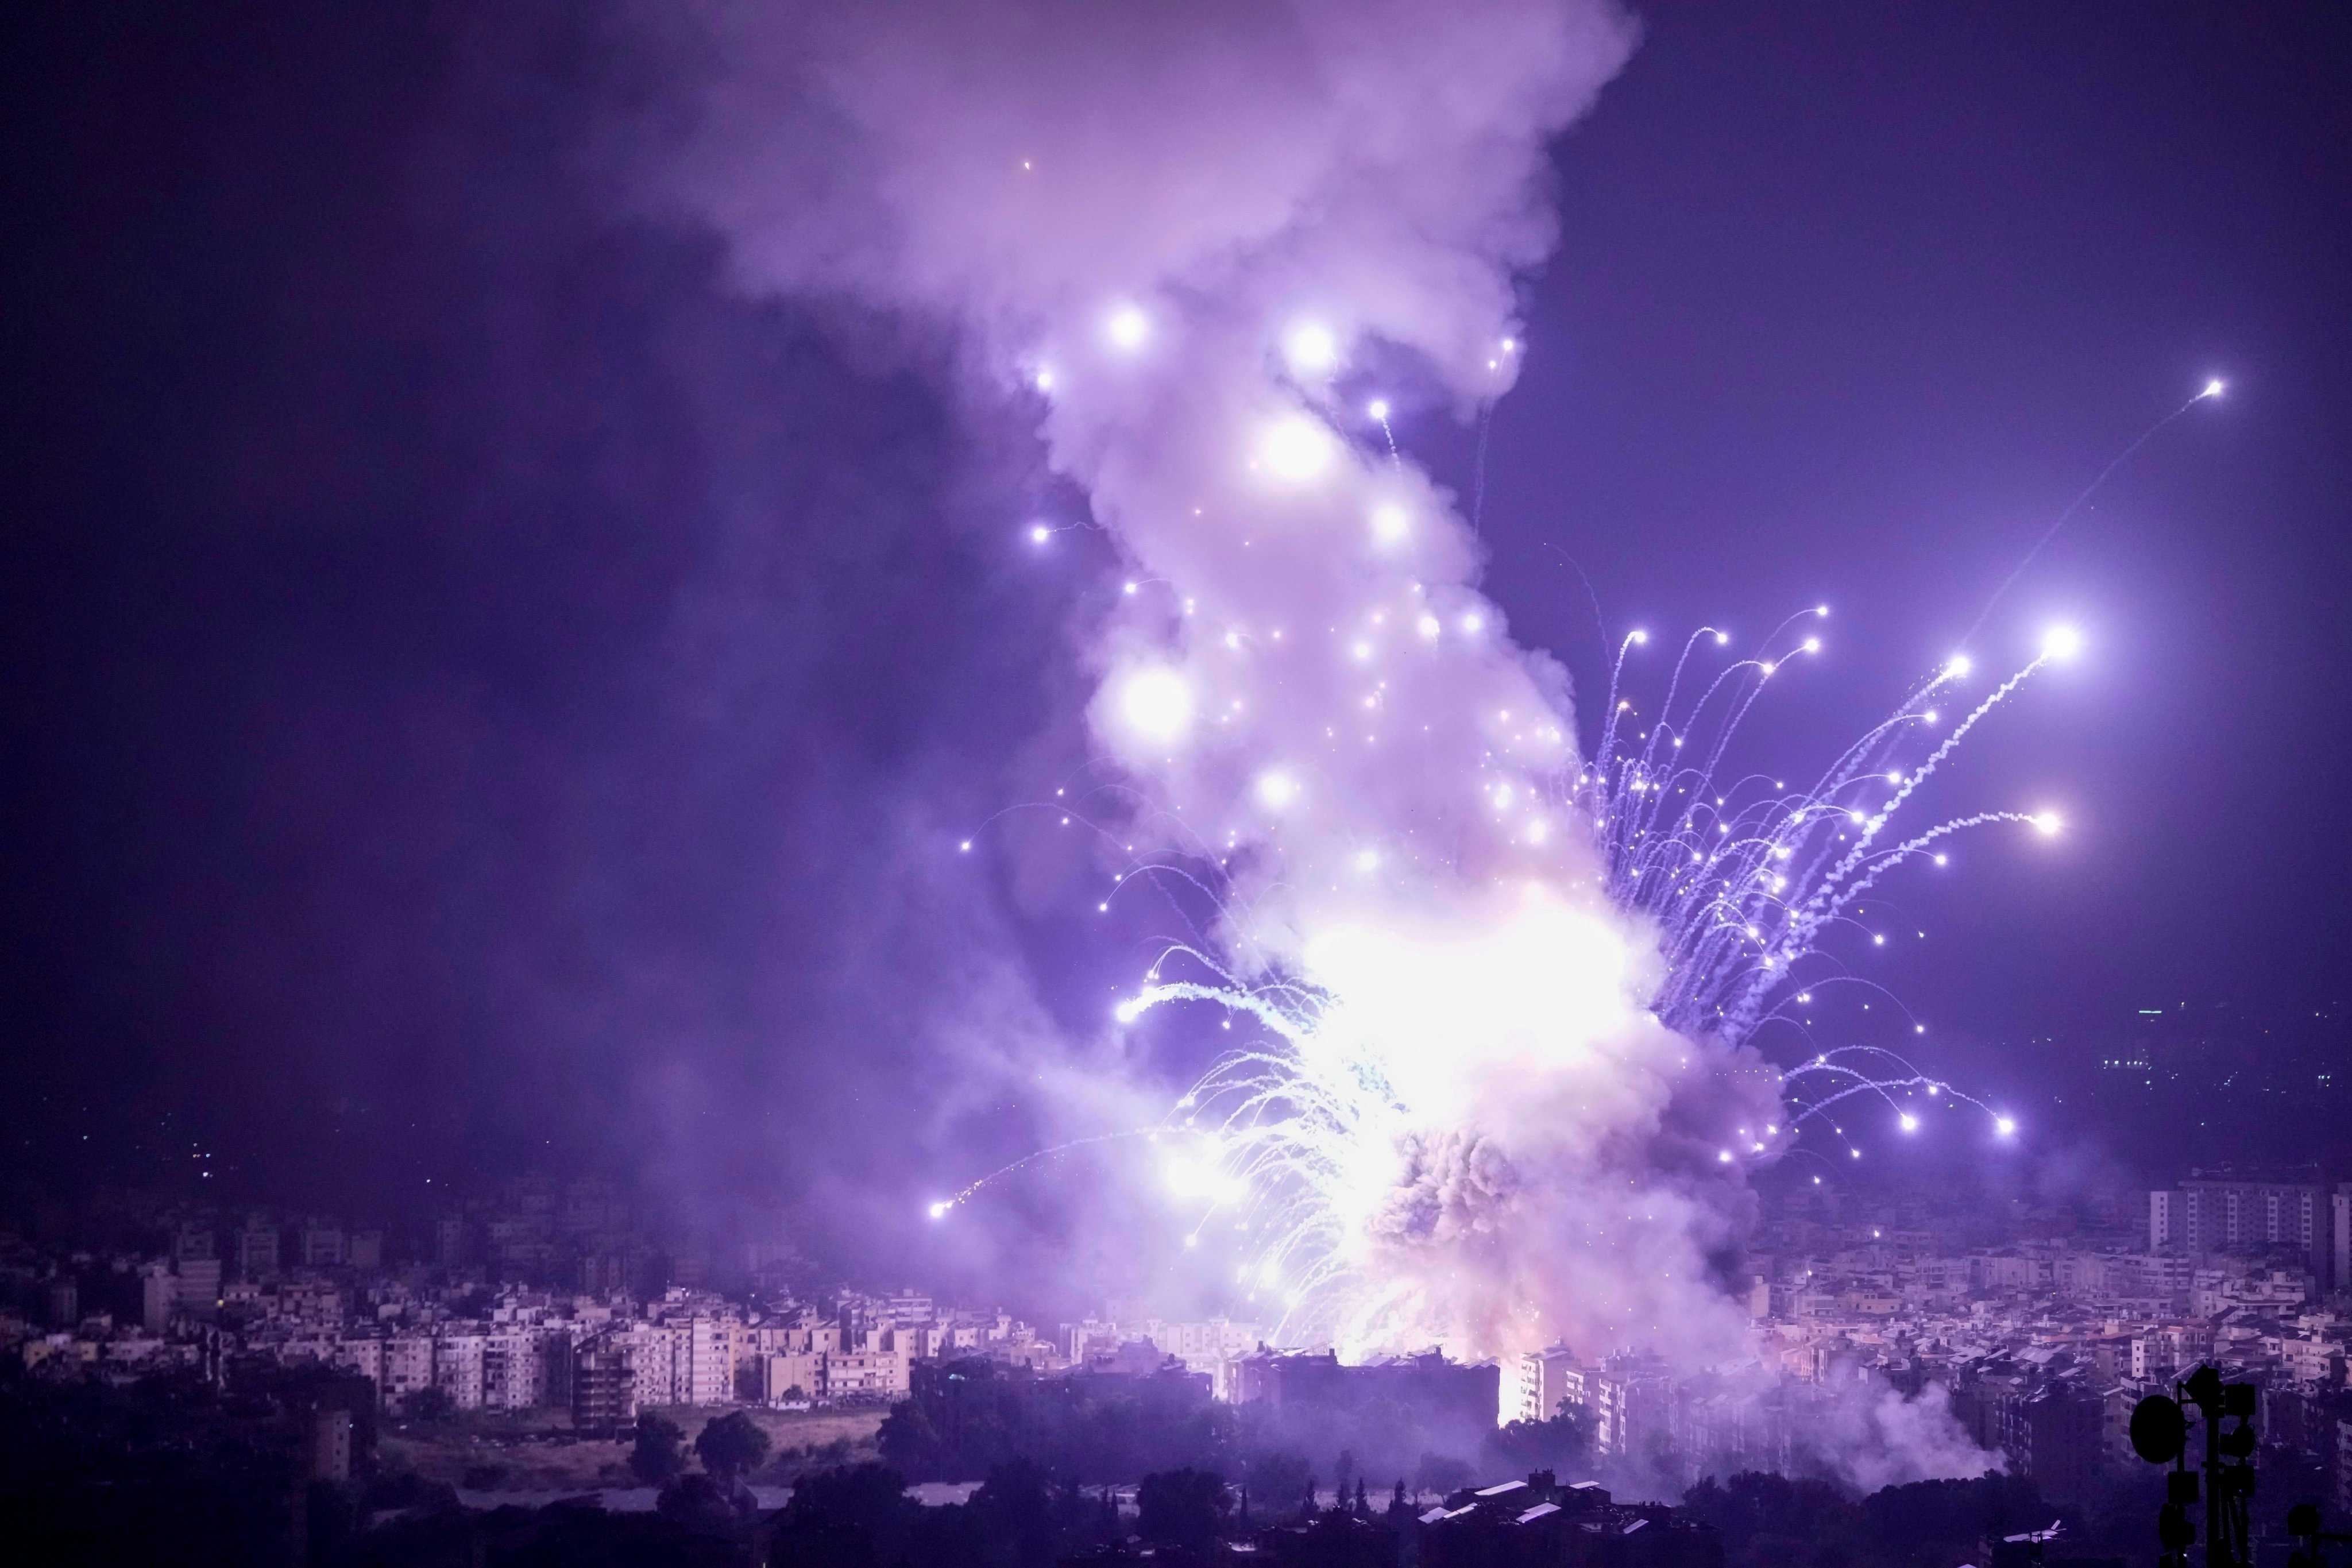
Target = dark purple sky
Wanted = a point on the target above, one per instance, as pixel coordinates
(478, 694)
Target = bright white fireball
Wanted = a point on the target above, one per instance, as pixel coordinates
(1156, 704)
(1295, 448)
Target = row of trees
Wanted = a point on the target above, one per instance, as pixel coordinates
(964, 1418)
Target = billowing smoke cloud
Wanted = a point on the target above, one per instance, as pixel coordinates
(1214, 243)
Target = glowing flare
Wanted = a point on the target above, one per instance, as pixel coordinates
(2061, 642)
(1296, 448)
(1156, 704)
(2047, 823)
(1277, 790)
(1127, 329)
(1311, 349)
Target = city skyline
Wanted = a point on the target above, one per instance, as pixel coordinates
(1041, 746)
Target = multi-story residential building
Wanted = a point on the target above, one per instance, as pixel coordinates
(515, 1366)
(407, 1360)
(604, 1385)
(864, 1374)
(2225, 1210)
(159, 1292)
(458, 1368)
(792, 1376)
(1543, 1383)
(322, 1244)
(365, 1250)
(1632, 1405)
(256, 1249)
(703, 1366)
(2058, 1437)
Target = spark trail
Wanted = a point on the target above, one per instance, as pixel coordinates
(1316, 1139)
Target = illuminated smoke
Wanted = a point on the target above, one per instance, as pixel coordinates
(1190, 233)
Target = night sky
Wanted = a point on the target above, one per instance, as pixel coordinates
(481, 693)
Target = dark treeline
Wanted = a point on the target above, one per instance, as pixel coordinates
(965, 1417)
(182, 1470)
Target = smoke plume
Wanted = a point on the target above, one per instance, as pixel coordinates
(1219, 248)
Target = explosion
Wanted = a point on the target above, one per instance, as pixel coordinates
(1491, 1114)
(1496, 1083)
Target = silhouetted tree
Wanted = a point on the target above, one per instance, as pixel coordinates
(1523, 1447)
(698, 1502)
(1440, 1473)
(836, 1514)
(1277, 1476)
(729, 1448)
(1181, 1509)
(432, 1403)
(659, 1452)
(1013, 1510)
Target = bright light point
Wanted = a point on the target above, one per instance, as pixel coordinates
(1277, 790)
(2047, 823)
(2212, 389)
(1039, 533)
(964, 847)
(1766, 668)
(1157, 704)
(1295, 448)
(1942, 860)
(1474, 623)
(2005, 1126)
(1311, 349)
(1378, 409)
(1429, 627)
(1910, 1122)
(1934, 1089)
(939, 1210)
(1127, 329)
(1391, 522)
(1368, 860)
(1723, 1156)
(1958, 664)
(1813, 645)
(2061, 642)
(1639, 636)
(1537, 831)
(1045, 380)
(1771, 1127)
(1817, 1180)
(1721, 639)
(1880, 939)
(1855, 1153)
